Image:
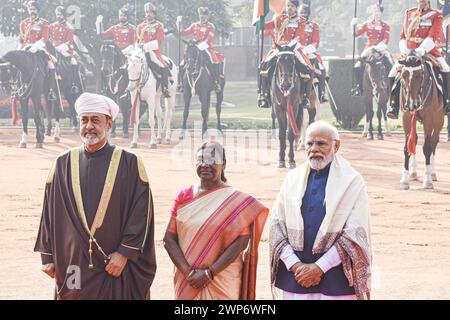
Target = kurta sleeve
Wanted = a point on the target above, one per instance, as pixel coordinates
(43, 242)
(139, 222)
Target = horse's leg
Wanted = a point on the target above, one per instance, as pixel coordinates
(385, 118)
(38, 120)
(312, 115)
(135, 139)
(73, 114)
(112, 134)
(170, 104)
(437, 127)
(48, 111)
(404, 181)
(125, 108)
(274, 125)
(24, 110)
(205, 100)
(151, 122)
(291, 155)
(369, 112)
(219, 97)
(380, 130)
(187, 103)
(427, 151)
(158, 112)
(282, 124)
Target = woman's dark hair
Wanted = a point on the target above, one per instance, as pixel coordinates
(218, 148)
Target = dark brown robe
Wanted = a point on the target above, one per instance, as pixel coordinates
(128, 228)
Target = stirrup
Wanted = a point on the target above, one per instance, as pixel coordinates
(217, 87)
(51, 96)
(356, 92)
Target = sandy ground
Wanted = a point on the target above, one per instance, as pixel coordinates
(410, 229)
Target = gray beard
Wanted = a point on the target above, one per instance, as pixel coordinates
(321, 164)
(92, 141)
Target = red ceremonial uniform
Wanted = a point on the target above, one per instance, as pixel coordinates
(309, 34)
(204, 32)
(283, 30)
(33, 30)
(376, 31)
(151, 31)
(60, 33)
(123, 35)
(441, 43)
(425, 24)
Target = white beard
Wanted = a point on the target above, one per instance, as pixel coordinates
(322, 163)
(92, 141)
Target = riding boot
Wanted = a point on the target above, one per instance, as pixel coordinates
(75, 89)
(358, 71)
(446, 92)
(180, 79)
(263, 94)
(216, 73)
(165, 82)
(52, 80)
(308, 86)
(394, 101)
(322, 79)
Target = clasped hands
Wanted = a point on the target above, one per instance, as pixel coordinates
(307, 275)
(199, 278)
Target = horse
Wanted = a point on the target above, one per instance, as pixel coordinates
(71, 83)
(421, 100)
(29, 79)
(375, 84)
(287, 90)
(143, 86)
(198, 79)
(115, 81)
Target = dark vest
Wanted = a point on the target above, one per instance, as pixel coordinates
(334, 282)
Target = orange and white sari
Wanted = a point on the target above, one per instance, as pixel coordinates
(205, 226)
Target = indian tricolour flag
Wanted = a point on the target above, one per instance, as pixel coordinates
(260, 10)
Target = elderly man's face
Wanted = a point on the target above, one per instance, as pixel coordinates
(94, 128)
(321, 148)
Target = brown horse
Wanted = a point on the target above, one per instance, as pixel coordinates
(421, 100)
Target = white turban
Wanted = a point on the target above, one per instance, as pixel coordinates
(96, 103)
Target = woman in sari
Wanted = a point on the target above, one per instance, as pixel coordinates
(213, 234)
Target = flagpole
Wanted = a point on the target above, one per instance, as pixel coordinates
(354, 44)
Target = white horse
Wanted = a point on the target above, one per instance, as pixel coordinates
(142, 87)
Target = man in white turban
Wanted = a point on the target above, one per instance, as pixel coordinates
(96, 236)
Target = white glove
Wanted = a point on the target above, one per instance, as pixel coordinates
(38, 45)
(202, 46)
(421, 51)
(99, 19)
(19, 46)
(179, 19)
(151, 46)
(128, 50)
(309, 49)
(62, 48)
(404, 47)
(354, 22)
(380, 47)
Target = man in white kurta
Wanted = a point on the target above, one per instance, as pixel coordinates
(319, 227)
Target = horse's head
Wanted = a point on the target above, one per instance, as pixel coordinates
(412, 78)
(285, 70)
(376, 70)
(7, 74)
(136, 63)
(192, 55)
(108, 55)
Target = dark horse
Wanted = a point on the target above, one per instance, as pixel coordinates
(198, 79)
(29, 79)
(421, 100)
(375, 84)
(70, 84)
(287, 91)
(115, 81)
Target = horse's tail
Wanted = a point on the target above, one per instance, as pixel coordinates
(292, 118)
(412, 136)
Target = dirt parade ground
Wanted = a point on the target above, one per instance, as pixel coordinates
(410, 229)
